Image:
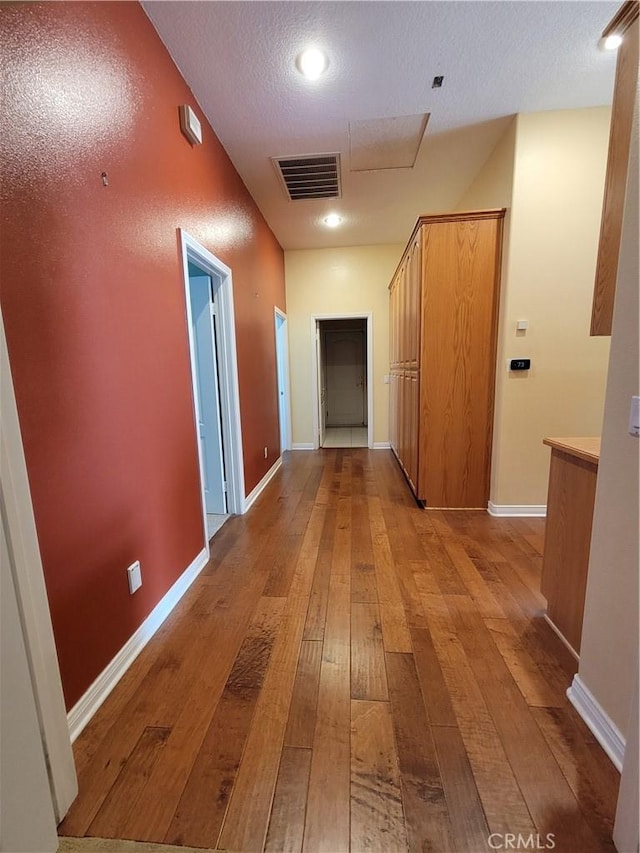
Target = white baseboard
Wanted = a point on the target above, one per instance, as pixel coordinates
(602, 727)
(88, 704)
(302, 445)
(255, 493)
(515, 511)
(381, 445)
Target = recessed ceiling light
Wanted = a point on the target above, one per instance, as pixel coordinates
(312, 63)
(612, 42)
(332, 220)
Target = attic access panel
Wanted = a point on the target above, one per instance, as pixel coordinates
(313, 177)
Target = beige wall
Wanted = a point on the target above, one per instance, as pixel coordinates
(609, 648)
(557, 162)
(338, 281)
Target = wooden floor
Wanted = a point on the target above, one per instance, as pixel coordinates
(351, 673)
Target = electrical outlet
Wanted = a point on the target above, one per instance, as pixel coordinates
(134, 576)
(266, 452)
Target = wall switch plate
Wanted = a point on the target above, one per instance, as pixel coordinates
(522, 325)
(190, 124)
(134, 576)
(634, 417)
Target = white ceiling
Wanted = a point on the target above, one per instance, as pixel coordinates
(497, 58)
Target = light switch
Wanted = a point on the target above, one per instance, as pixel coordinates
(522, 325)
(634, 417)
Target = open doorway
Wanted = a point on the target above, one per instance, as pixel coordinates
(211, 329)
(344, 393)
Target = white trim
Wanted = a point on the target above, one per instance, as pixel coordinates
(561, 636)
(381, 445)
(228, 372)
(368, 316)
(602, 727)
(516, 511)
(255, 493)
(31, 595)
(303, 445)
(88, 704)
(286, 433)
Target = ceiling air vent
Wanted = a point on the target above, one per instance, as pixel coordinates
(310, 177)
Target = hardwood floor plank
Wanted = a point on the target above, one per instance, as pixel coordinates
(592, 777)
(304, 702)
(284, 565)
(377, 819)
(468, 824)
(535, 688)
(123, 797)
(368, 673)
(286, 827)
(395, 631)
(474, 583)
(503, 804)
(547, 794)
(247, 816)
(201, 808)
(327, 818)
(426, 812)
(317, 609)
(437, 700)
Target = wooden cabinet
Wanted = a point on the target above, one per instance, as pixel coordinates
(572, 491)
(443, 325)
(625, 24)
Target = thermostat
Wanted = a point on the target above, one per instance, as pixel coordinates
(520, 364)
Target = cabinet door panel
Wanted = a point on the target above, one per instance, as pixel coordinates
(459, 313)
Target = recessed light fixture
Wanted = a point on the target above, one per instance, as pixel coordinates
(312, 63)
(612, 42)
(332, 220)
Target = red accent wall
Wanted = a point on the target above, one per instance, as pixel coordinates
(93, 304)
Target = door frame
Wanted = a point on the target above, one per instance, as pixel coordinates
(222, 282)
(33, 605)
(283, 381)
(315, 390)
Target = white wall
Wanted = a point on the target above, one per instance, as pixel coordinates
(557, 161)
(351, 280)
(609, 647)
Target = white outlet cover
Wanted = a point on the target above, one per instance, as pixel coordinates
(134, 576)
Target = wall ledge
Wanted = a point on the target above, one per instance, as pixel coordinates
(255, 493)
(88, 704)
(515, 510)
(602, 727)
(302, 445)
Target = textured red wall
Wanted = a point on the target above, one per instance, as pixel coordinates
(93, 303)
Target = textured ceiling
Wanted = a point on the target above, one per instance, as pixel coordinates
(497, 58)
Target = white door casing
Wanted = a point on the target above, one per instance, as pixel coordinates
(227, 370)
(315, 380)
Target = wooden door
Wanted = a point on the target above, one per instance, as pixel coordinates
(459, 319)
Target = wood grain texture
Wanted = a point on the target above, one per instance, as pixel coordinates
(377, 819)
(459, 323)
(368, 674)
(261, 745)
(426, 810)
(286, 826)
(570, 504)
(624, 99)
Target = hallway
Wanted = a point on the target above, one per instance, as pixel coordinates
(350, 672)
